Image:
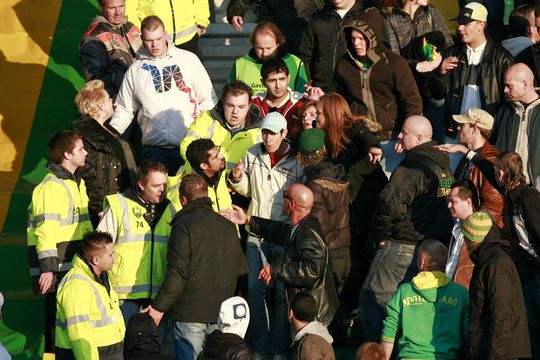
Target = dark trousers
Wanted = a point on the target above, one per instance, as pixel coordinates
(50, 321)
(191, 45)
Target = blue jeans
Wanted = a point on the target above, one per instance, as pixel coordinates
(531, 293)
(390, 159)
(393, 265)
(189, 338)
(170, 157)
(266, 339)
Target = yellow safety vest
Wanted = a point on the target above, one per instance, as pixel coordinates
(220, 195)
(180, 17)
(88, 318)
(57, 220)
(141, 263)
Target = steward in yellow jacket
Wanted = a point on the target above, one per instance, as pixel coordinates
(233, 125)
(89, 324)
(183, 19)
(57, 220)
(139, 222)
(210, 164)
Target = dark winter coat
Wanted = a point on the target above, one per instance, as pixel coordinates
(523, 204)
(322, 46)
(204, 259)
(505, 132)
(306, 265)
(329, 185)
(225, 346)
(498, 322)
(384, 91)
(413, 204)
(141, 341)
(104, 172)
(450, 87)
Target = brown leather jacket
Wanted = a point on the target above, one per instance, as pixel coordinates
(490, 199)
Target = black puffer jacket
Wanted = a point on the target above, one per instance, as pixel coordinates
(204, 260)
(413, 204)
(225, 346)
(142, 339)
(328, 182)
(322, 46)
(498, 322)
(450, 87)
(106, 171)
(306, 266)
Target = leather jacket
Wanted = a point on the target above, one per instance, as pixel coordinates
(103, 171)
(495, 61)
(306, 265)
(491, 199)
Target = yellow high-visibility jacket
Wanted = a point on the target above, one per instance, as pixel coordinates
(180, 17)
(211, 125)
(141, 251)
(88, 317)
(57, 220)
(218, 193)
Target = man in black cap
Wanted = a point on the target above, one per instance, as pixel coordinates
(471, 74)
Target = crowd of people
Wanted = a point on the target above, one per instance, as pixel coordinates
(359, 169)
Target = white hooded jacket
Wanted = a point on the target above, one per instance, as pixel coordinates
(167, 93)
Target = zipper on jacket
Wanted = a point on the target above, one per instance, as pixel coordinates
(173, 22)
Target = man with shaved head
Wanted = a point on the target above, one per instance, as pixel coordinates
(412, 207)
(306, 266)
(517, 123)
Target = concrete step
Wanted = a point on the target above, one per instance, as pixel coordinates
(232, 51)
(224, 41)
(226, 30)
(219, 74)
(219, 63)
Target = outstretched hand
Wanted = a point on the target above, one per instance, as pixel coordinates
(154, 314)
(236, 215)
(238, 171)
(452, 148)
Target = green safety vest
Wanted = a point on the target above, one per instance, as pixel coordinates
(249, 71)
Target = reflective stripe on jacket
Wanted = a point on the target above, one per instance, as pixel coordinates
(88, 318)
(141, 252)
(57, 220)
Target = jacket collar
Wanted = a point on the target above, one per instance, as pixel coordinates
(61, 173)
(195, 205)
(253, 120)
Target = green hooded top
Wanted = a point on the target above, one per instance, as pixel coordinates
(432, 315)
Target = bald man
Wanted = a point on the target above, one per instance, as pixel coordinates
(412, 207)
(306, 266)
(517, 123)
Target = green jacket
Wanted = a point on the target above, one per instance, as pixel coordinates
(432, 315)
(248, 69)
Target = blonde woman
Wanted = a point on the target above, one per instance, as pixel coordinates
(110, 163)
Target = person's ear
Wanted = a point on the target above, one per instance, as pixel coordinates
(183, 200)
(140, 185)
(291, 315)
